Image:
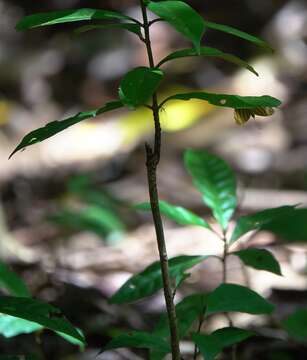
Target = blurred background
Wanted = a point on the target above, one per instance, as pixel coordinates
(65, 222)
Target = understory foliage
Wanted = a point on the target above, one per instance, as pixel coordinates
(213, 178)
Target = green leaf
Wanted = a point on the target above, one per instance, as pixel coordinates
(99, 220)
(258, 220)
(260, 259)
(295, 325)
(210, 52)
(12, 282)
(11, 326)
(133, 28)
(55, 127)
(139, 85)
(182, 17)
(188, 311)
(229, 101)
(215, 180)
(38, 312)
(179, 214)
(291, 227)
(212, 345)
(237, 298)
(149, 281)
(229, 336)
(138, 339)
(67, 16)
(241, 34)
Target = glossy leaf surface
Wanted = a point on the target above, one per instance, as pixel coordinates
(182, 17)
(179, 214)
(216, 182)
(236, 32)
(38, 312)
(229, 101)
(209, 52)
(67, 16)
(259, 259)
(11, 326)
(149, 281)
(237, 298)
(57, 126)
(138, 85)
(12, 282)
(257, 220)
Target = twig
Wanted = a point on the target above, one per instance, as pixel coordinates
(152, 161)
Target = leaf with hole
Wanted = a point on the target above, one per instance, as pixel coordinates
(236, 32)
(40, 313)
(259, 259)
(138, 86)
(237, 298)
(67, 16)
(138, 339)
(228, 101)
(209, 52)
(182, 17)
(212, 345)
(57, 126)
(178, 214)
(12, 282)
(257, 220)
(295, 325)
(149, 281)
(216, 182)
(132, 27)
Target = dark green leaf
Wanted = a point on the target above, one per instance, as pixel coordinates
(149, 281)
(230, 101)
(229, 336)
(13, 283)
(215, 180)
(177, 213)
(241, 34)
(139, 85)
(208, 345)
(182, 17)
(291, 227)
(138, 339)
(210, 52)
(212, 345)
(55, 127)
(260, 259)
(237, 298)
(67, 16)
(11, 326)
(38, 312)
(258, 220)
(188, 311)
(134, 28)
(295, 325)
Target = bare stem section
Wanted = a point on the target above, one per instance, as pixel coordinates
(152, 161)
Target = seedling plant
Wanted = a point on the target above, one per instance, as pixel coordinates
(213, 178)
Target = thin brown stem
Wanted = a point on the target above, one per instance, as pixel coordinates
(152, 161)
